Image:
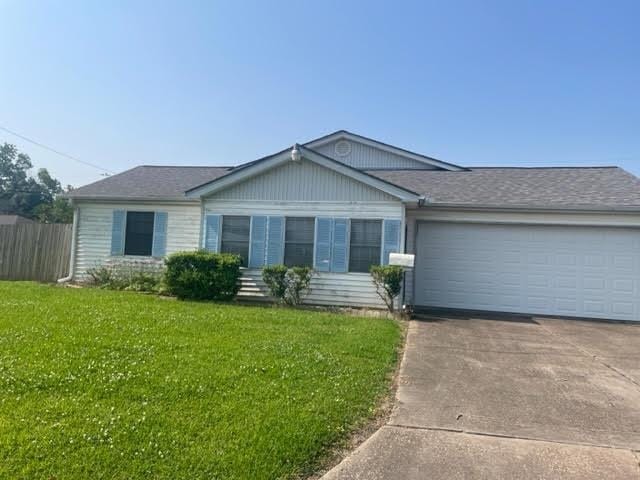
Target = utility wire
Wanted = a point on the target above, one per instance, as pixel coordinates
(55, 151)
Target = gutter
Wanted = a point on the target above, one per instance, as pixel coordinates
(532, 208)
(72, 260)
(109, 199)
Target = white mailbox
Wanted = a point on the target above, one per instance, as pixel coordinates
(402, 259)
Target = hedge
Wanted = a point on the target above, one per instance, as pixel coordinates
(203, 275)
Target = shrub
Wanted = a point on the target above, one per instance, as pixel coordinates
(388, 282)
(100, 275)
(144, 282)
(287, 285)
(273, 276)
(203, 275)
(125, 276)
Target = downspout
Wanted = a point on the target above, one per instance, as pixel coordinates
(72, 261)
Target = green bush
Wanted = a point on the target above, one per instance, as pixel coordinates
(287, 285)
(273, 276)
(388, 282)
(202, 275)
(126, 277)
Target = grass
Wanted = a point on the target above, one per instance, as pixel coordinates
(101, 384)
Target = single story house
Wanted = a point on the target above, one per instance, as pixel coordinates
(555, 241)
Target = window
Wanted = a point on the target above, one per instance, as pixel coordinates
(235, 236)
(298, 241)
(139, 233)
(364, 251)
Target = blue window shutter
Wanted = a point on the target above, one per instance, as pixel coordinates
(159, 247)
(391, 239)
(212, 230)
(258, 241)
(118, 227)
(324, 235)
(275, 241)
(340, 249)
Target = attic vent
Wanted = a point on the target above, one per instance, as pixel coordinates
(343, 148)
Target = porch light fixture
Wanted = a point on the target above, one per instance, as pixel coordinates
(295, 154)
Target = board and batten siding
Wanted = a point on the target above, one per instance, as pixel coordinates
(303, 180)
(367, 157)
(93, 242)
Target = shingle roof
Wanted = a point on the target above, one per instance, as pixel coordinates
(148, 181)
(556, 187)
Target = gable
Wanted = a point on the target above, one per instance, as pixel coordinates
(367, 157)
(369, 154)
(301, 181)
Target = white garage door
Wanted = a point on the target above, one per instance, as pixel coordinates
(568, 271)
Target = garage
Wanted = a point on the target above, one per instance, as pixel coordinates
(570, 271)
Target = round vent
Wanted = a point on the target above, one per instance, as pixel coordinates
(343, 148)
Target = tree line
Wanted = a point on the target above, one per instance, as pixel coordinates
(32, 196)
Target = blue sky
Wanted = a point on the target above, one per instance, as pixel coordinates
(520, 83)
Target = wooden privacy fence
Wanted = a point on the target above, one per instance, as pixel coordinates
(35, 251)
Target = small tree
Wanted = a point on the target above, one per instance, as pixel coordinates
(388, 282)
(287, 285)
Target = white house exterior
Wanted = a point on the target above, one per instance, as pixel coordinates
(551, 241)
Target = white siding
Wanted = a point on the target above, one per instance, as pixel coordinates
(390, 209)
(302, 180)
(367, 157)
(344, 289)
(93, 244)
(339, 289)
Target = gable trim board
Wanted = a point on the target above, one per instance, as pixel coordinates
(259, 167)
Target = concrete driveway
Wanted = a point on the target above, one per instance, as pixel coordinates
(510, 398)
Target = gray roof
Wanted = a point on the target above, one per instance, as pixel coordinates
(545, 187)
(13, 220)
(554, 187)
(150, 182)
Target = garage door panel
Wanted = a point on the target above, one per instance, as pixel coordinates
(564, 281)
(595, 307)
(572, 271)
(623, 286)
(622, 308)
(568, 306)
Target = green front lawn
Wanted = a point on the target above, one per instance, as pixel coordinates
(118, 385)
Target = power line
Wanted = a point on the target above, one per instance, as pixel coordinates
(55, 151)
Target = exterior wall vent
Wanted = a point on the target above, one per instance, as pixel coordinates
(343, 148)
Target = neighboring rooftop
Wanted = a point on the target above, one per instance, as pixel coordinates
(150, 182)
(551, 187)
(14, 220)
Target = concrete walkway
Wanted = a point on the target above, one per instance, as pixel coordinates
(510, 398)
